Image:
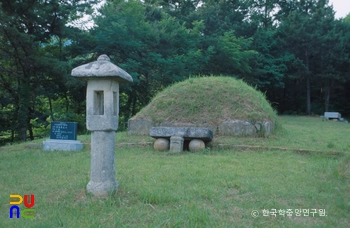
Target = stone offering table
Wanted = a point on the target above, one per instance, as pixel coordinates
(336, 116)
(177, 135)
(332, 115)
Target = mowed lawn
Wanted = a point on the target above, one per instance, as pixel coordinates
(212, 188)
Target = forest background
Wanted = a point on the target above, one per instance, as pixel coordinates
(294, 51)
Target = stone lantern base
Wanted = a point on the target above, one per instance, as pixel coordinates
(102, 188)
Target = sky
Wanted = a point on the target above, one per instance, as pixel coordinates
(342, 7)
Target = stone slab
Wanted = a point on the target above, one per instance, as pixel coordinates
(186, 132)
(142, 126)
(332, 115)
(139, 126)
(236, 128)
(244, 128)
(65, 145)
(172, 124)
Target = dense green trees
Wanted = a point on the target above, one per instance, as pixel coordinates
(151, 45)
(293, 50)
(316, 40)
(32, 57)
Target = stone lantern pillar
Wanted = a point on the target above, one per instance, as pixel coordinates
(102, 110)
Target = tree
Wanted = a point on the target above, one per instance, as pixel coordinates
(347, 19)
(224, 16)
(225, 33)
(26, 28)
(306, 26)
(262, 12)
(151, 45)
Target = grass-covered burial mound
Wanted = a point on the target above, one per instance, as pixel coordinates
(224, 104)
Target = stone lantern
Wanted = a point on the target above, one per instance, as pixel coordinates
(102, 110)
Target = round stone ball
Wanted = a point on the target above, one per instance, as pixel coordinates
(196, 145)
(161, 144)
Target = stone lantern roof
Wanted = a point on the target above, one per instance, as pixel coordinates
(100, 69)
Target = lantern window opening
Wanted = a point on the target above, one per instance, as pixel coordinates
(98, 103)
(115, 103)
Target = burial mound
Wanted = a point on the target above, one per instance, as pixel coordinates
(225, 105)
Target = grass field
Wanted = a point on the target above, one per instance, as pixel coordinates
(211, 188)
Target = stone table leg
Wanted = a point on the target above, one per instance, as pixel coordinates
(176, 143)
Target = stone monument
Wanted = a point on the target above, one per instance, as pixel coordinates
(63, 136)
(102, 110)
